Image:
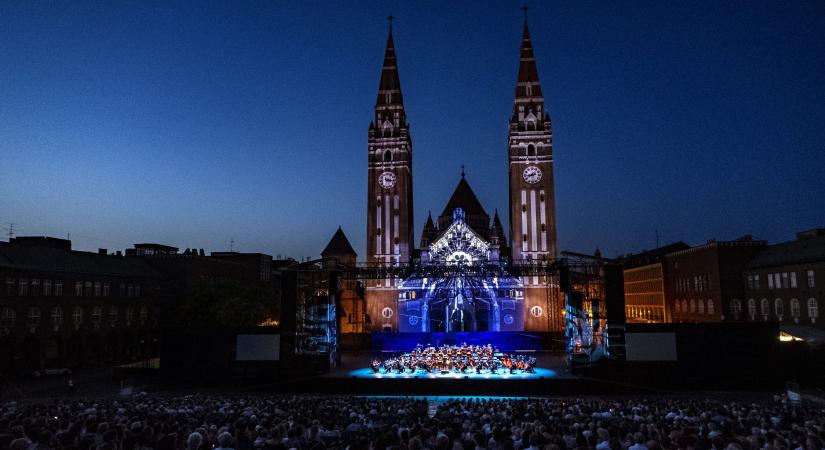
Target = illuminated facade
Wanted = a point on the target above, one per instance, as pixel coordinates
(455, 301)
(464, 234)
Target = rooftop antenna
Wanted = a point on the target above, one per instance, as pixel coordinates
(390, 18)
(11, 230)
(231, 245)
(462, 171)
(657, 238)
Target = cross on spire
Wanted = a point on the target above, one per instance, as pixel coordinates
(462, 171)
(525, 8)
(390, 18)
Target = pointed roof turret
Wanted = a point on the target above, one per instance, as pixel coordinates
(430, 232)
(389, 88)
(338, 246)
(527, 85)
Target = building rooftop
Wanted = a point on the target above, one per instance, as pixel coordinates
(47, 258)
(806, 248)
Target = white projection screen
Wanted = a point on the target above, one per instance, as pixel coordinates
(650, 346)
(258, 347)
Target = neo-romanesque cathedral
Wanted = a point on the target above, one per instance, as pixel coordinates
(464, 233)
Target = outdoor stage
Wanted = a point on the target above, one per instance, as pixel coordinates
(355, 377)
(538, 373)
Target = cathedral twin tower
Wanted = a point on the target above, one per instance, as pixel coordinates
(531, 212)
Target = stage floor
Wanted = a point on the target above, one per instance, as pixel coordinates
(540, 373)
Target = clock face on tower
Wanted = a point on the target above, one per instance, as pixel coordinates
(532, 174)
(386, 180)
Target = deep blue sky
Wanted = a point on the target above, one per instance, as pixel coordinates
(193, 123)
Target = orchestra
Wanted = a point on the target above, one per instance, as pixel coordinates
(455, 359)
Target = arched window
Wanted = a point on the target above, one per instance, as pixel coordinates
(113, 314)
(711, 308)
(813, 309)
(692, 306)
(77, 316)
(701, 306)
(97, 312)
(531, 150)
(57, 316)
(779, 307)
(795, 310)
(752, 308)
(7, 318)
(33, 318)
(388, 155)
(765, 307)
(130, 314)
(684, 307)
(677, 306)
(144, 315)
(735, 308)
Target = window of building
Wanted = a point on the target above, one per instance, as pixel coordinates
(11, 286)
(98, 288)
(793, 280)
(752, 308)
(97, 312)
(777, 280)
(33, 319)
(813, 309)
(677, 306)
(750, 282)
(47, 288)
(130, 290)
(7, 318)
(78, 289)
(701, 305)
(106, 289)
(778, 307)
(387, 156)
(770, 281)
(57, 316)
(765, 307)
(795, 308)
(130, 315)
(735, 308)
(58, 288)
(711, 308)
(23, 287)
(531, 150)
(35, 291)
(785, 280)
(137, 286)
(811, 279)
(144, 315)
(756, 281)
(692, 306)
(113, 314)
(122, 291)
(77, 316)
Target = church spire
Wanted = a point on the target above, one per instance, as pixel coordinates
(389, 88)
(527, 85)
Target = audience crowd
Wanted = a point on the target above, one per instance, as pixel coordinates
(206, 422)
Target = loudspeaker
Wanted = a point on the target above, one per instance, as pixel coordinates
(564, 278)
(614, 293)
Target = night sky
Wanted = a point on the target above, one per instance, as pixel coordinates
(193, 123)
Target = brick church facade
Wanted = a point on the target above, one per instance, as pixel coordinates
(464, 233)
